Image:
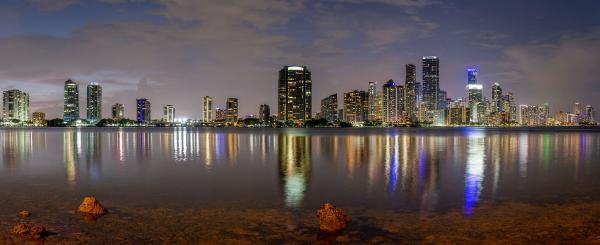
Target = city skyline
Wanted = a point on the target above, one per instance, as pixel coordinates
(51, 41)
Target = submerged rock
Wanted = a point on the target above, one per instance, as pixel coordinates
(90, 205)
(332, 219)
(32, 231)
(24, 213)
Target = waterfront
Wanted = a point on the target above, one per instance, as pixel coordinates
(253, 176)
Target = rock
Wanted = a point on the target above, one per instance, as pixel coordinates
(332, 219)
(24, 213)
(90, 205)
(33, 231)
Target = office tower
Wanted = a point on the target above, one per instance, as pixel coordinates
(232, 109)
(39, 119)
(442, 100)
(496, 98)
(169, 113)
(207, 110)
(71, 102)
(471, 75)
(379, 106)
(431, 85)
(294, 93)
(220, 114)
(15, 105)
(118, 111)
(392, 102)
(410, 93)
(590, 115)
(372, 93)
(356, 106)
(264, 113)
(329, 108)
(533, 116)
(577, 108)
(144, 113)
(94, 103)
(458, 113)
(475, 98)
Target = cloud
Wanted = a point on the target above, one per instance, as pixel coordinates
(52, 5)
(402, 3)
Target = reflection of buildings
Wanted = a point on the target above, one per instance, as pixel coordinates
(71, 151)
(474, 172)
(294, 167)
(16, 146)
(94, 153)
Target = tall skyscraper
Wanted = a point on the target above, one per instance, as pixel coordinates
(232, 109)
(590, 115)
(431, 85)
(356, 106)
(15, 105)
(410, 92)
(144, 112)
(372, 93)
(71, 102)
(442, 97)
(169, 113)
(220, 114)
(474, 95)
(294, 93)
(577, 108)
(329, 108)
(497, 98)
(393, 102)
(118, 111)
(94, 103)
(471, 75)
(264, 113)
(207, 111)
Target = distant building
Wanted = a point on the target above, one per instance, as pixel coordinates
(294, 93)
(71, 102)
(372, 94)
(264, 113)
(356, 106)
(144, 112)
(94, 103)
(410, 93)
(458, 113)
(393, 102)
(39, 119)
(329, 108)
(532, 115)
(169, 113)
(207, 111)
(431, 85)
(588, 116)
(497, 98)
(472, 75)
(118, 111)
(220, 114)
(442, 97)
(15, 105)
(232, 109)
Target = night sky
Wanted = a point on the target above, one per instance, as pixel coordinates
(177, 51)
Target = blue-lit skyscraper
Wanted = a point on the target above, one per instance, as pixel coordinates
(472, 76)
(143, 110)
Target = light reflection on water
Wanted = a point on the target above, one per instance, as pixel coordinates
(426, 170)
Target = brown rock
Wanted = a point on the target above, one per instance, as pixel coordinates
(33, 231)
(332, 219)
(24, 213)
(91, 206)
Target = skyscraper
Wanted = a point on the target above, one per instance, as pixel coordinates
(474, 95)
(118, 111)
(207, 111)
(71, 102)
(410, 92)
(497, 98)
(232, 109)
(329, 108)
(356, 106)
(472, 75)
(39, 119)
(94, 103)
(294, 93)
(264, 113)
(144, 113)
(431, 85)
(372, 94)
(220, 114)
(169, 113)
(15, 105)
(393, 102)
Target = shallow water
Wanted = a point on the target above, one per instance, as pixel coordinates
(426, 171)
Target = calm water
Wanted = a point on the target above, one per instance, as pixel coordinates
(427, 170)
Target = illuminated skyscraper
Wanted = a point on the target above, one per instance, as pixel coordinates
(39, 119)
(577, 108)
(474, 95)
(118, 111)
(410, 92)
(393, 102)
(431, 85)
(590, 115)
(497, 98)
(232, 109)
(356, 106)
(472, 76)
(94, 103)
(71, 102)
(144, 113)
(220, 114)
(15, 105)
(329, 108)
(207, 111)
(169, 113)
(294, 93)
(372, 93)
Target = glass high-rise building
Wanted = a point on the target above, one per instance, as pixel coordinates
(431, 85)
(393, 102)
(329, 108)
(144, 112)
(15, 105)
(207, 111)
(294, 93)
(372, 93)
(118, 111)
(232, 109)
(264, 113)
(471, 75)
(410, 92)
(169, 113)
(71, 101)
(356, 106)
(94, 103)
